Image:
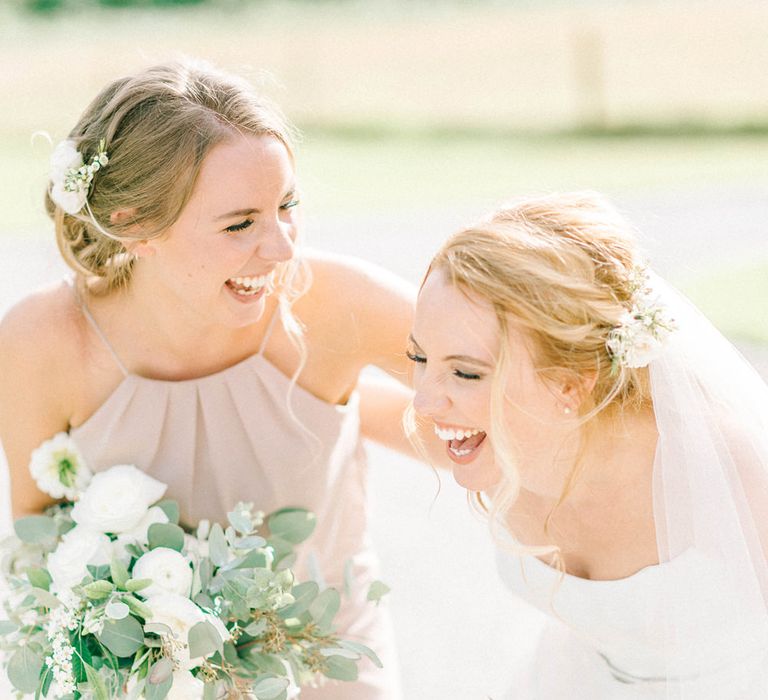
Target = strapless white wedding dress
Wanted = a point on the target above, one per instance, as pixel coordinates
(605, 640)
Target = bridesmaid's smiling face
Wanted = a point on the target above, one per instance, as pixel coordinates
(218, 259)
(455, 344)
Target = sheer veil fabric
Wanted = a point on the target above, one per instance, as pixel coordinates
(710, 495)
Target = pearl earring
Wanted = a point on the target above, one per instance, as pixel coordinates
(566, 410)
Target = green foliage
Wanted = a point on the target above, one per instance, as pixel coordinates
(122, 637)
(35, 529)
(24, 669)
(166, 535)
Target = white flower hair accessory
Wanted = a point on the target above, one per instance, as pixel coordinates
(639, 336)
(71, 178)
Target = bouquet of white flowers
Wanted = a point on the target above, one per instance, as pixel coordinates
(110, 598)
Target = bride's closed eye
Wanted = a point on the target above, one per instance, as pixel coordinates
(239, 227)
(413, 357)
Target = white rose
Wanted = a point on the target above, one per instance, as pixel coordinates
(59, 469)
(169, 570)
(80, 547)
(140, 533)
(181, 615)
(185, 687)
(117, 499)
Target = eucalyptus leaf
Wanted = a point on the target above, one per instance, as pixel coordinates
(336, 651)
(340, 669)
(39, 578)
(137, 584)
(269, 688)
(7, 627)
(160, 671)
(348, 578)
(119, 572)
(204, 639)
(292, 524)
(250, 542)
(98, 589)
(230, 653)
(210, 691)
(45, 598)
(157, 691)
(304, 594)
(170, 508)
(24, 669)
(241, 522)
(122, 637)
(117, 610)
(35, 529)
(99, 572)
(377, 591)
(217, 546)
(324, 608)
(362, 650)
(157, 628)
(205, 569)
(165, 535)
(137, 607)
(97, 685)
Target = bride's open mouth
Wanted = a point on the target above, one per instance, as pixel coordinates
(250, 289)
(462, 444)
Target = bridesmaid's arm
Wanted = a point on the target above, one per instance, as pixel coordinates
(32, 397)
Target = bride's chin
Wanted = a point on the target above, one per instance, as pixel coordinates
(477, 477)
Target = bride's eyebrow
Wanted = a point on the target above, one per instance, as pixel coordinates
(460, 358)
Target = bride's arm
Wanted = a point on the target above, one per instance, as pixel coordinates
(32, 396)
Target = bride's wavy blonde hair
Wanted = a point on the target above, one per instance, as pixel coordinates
(560, 268)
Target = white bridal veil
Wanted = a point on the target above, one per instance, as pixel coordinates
(710, 492)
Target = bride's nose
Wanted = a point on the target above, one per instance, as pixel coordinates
(429, 400)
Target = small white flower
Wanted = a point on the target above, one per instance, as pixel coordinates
(68, 563)
(59, 469)
(181, 615)
(117, 499)
(169, 571)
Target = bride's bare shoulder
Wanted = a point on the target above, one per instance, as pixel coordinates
(42, 331)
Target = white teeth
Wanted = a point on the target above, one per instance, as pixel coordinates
(252, 285)
(459, 453)
(451, 434)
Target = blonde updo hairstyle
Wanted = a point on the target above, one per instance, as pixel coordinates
(158, 126)
(560, 269)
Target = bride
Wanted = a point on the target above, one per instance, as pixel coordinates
(620, 443)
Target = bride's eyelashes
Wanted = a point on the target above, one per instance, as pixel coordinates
(420, 359)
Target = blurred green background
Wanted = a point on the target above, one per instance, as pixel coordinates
(440, 106)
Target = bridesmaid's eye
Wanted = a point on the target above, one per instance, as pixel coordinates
(291, 204)
(239, 227)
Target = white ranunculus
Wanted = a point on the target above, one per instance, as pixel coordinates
(68, 563)
(169, 570)
(117, 499)
(70, 201)
(59, 469)
(140, 533)
(181, 615)
(185, 687)
(66, 157)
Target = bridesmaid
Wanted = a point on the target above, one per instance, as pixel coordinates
(197, 340)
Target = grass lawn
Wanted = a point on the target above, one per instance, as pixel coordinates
(735, 300)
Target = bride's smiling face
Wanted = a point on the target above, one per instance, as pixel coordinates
(218, 259)
(455, 344)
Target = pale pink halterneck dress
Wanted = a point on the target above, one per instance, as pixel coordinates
(237, 436)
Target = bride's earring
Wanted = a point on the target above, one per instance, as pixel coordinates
(566, 410)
